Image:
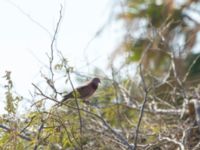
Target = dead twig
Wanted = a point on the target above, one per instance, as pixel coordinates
(39, 134)
(172, 141)
(20, 135)
(78, 108)
(51, 57)
(146, 91)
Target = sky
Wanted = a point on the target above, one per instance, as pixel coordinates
(26, 31)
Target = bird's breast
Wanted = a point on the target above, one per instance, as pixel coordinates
(94, 86)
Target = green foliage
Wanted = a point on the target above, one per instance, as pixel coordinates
(155, 40)
(9, 98)
(156, 14)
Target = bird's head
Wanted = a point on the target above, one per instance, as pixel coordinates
(96, 81)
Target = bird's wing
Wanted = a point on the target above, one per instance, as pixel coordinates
(85, 91)
(82, 91)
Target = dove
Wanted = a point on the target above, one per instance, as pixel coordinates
(85, 91)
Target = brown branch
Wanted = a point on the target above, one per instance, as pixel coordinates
(172, 141)
(59, 119)
(50, 81)
(29, 16)
(117, 135)
(181, 84)
(190, 68)
(78, 108)
(44, 95)
(20, 135)
(39, 134)
(146, 90)
(157, 111)
(54, 38)
(27, 124)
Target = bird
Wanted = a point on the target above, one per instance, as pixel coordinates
(83, 92)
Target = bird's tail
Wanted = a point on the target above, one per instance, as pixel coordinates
(66, 97)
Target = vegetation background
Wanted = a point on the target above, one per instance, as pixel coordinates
(154, 107)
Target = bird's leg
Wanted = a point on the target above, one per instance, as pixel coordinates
(86, 101)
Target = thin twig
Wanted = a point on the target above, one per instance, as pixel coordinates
(20, 135)
(27, 124)
(142, 108)
(190, 68)
(181, 84)
(44, 95)
(59, 119)
(78, 108)
(173, 141)
(51, 58)
(117, 135)
(29, 17)
(39, 134)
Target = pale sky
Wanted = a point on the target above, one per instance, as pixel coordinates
(24, 42)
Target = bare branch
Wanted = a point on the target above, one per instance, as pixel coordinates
(29, 17)
(172, 141)
(78, 108)
(32, 118)
(190, 68)
(20, 135)
(39, 134)
(51, 58)
(146, 90)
